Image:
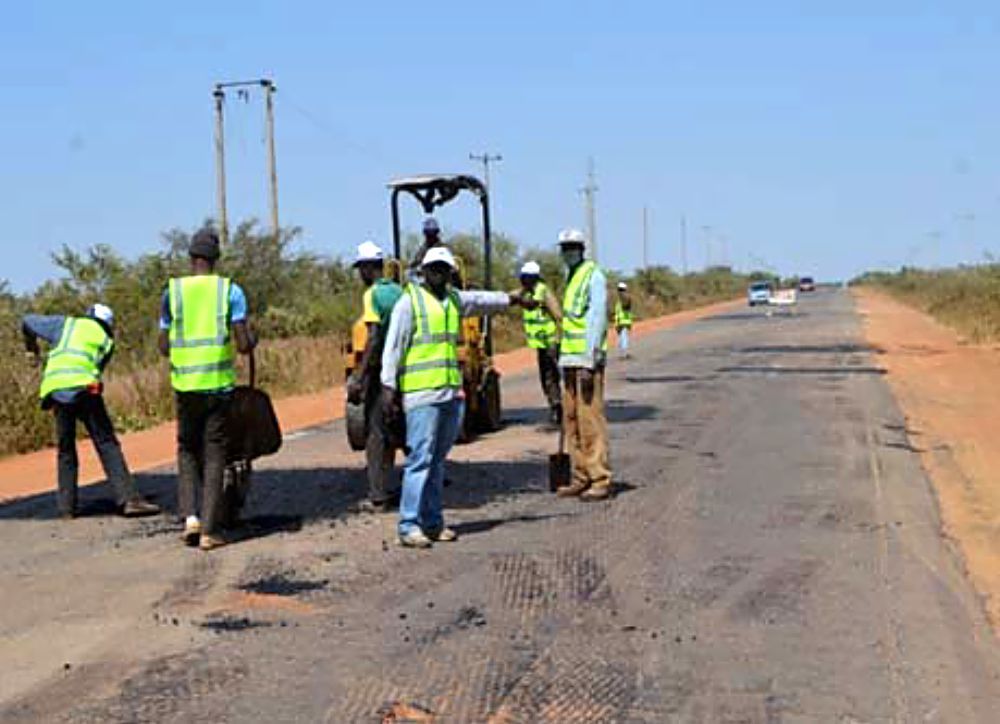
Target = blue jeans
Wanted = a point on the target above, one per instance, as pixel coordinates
(623, 338)
(431, 430)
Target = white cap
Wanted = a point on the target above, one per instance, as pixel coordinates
(103, 313)
(623, 286)
(368, 251)
(572, 236)
(531, 269)
(439, 254)
(431, 224)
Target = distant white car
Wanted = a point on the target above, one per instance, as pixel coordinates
(759, 293)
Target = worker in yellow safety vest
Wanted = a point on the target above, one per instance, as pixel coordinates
(541, 331)
(582, 358)
(421, 375)
(79, 350)
(623, 318)
(199, 314)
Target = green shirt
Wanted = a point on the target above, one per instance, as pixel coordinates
(379, 300)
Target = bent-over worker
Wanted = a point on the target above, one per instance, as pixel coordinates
(80, 349)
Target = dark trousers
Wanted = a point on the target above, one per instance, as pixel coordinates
(548, 375)
(90, 410)
(202, 435)
(379, 451)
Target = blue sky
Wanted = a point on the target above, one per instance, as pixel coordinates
(826, 140)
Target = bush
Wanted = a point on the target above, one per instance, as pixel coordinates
(966, 299)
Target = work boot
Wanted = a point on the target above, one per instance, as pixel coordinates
(415, 539)
(572, 490)
(442, 535)
(211, 542)
(192, 530)
(595, 493)
(138, 507)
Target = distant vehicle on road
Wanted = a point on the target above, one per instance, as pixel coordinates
(783, 298)
(759, 293)
(807, 284)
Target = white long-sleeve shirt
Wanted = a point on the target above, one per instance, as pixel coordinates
(597, 325)
(400, 334)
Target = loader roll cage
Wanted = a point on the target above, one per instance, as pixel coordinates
(434, 191)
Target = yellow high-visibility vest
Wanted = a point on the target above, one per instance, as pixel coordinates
(576, 302)
(539, 327)
(431, 360)
(201, 351)
(76, 361)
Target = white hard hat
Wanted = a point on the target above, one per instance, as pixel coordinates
(623, 286)
(439, 254)
(103, 313)
(531, 269)
(431, 224)
(368, 251)
(572, 236)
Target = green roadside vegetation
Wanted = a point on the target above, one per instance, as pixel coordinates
(967, 299)
(302, 305)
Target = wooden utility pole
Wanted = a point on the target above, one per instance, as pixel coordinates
(272, 167)
(485, 159)
(220, 166)
(220, 163)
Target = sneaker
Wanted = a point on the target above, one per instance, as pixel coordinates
(211, 542)
(442, 535)
(373, 507)
(192, 530)
(596, 492)
(415, 539)
(572, 490)
(138, 508)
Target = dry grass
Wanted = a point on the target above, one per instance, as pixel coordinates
(966, 299)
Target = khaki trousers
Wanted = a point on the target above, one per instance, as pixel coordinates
(586, 429)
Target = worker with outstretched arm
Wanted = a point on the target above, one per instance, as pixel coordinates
(365, 384)
(72, 387)
(421, 377)
(541, 331)
(199, 315)
(582, 358)
(623, 318)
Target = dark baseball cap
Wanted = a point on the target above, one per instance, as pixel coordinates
(205, 244)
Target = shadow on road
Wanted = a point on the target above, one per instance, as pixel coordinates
(284, 500)
(756, 369)
(660, 379)
(810, 349)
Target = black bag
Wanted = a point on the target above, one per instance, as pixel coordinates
(253, 426)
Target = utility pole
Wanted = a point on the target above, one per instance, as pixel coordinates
(707, 230)
(486, 159)
(684, 249)
(645, 238)
(588, 192)
(272, 167)
(220, 166)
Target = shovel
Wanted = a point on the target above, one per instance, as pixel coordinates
(560, 472)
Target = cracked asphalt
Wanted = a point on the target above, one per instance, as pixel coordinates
(774, 554)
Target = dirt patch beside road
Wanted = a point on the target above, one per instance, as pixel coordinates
(950, 393)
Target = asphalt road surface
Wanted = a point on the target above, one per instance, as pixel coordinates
(774, 554)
